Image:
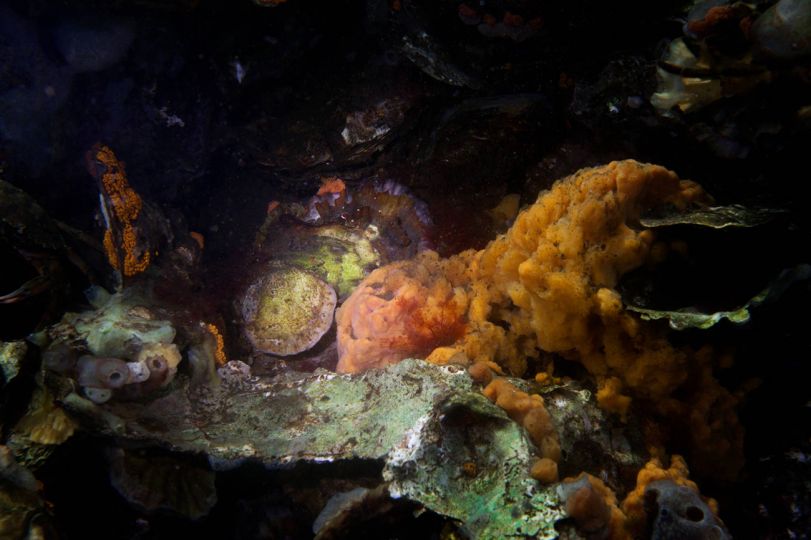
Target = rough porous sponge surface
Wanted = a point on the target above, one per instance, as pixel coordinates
(401, 310)
(550, 284)
(547, 284)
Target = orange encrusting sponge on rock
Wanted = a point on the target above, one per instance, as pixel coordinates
(550, 284)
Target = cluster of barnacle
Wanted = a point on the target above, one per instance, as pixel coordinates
(100, 376)
(119, 348)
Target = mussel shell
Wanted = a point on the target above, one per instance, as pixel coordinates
(783, 32)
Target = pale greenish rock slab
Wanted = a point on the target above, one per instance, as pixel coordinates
(422, 422)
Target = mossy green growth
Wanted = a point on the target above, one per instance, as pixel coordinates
(424, 424)
(339, 256)
(11, 358)
(118, 327)
(473, 465)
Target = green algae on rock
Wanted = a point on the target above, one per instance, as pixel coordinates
(118, 327)
(12, 354)
(287, 310)
(423, 423)
(340, 256)
(471, 463)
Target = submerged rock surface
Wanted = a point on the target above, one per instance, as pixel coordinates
(441, 442)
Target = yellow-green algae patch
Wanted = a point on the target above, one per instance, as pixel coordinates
(339, 256)
(12, 355)
(287, 311)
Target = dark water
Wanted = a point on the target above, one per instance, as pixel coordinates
(218, 108)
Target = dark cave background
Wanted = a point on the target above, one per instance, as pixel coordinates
(158, 81)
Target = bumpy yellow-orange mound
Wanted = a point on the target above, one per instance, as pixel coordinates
(633, 506)
(550, 280)
(596, 512)
(549, 284)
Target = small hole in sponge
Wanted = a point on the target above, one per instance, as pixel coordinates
(694, 514)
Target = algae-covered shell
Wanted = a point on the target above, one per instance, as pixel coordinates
(340, 256)
(286, 311)
(119, 326)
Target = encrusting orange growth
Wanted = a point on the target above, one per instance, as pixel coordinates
(527, 410)
(219, 352)
(547, 284)
(634, 504)
(126, 202)
(332, 185)
(544, 470)
(610, 398)
(199, 239)
(126, 206)
(484, 371)
(593, 506)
